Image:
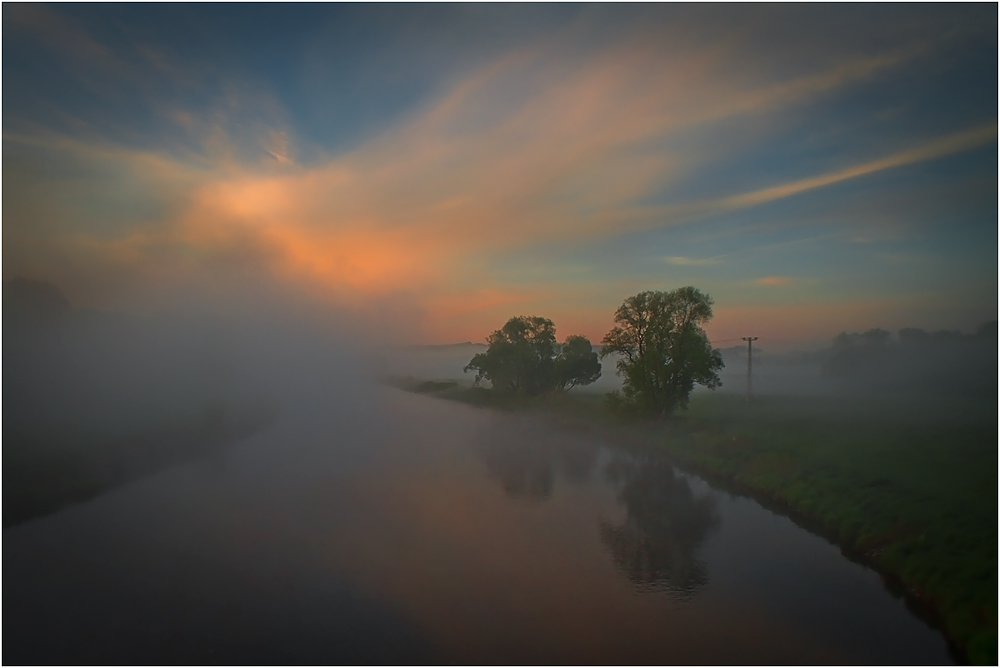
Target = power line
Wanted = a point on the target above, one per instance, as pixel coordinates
(750, 340)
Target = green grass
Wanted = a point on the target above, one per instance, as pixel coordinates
(906, 485)
(908, 489)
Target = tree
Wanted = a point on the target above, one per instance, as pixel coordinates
(664, 351)
(521, 356)
(577, 363)
(524, 358)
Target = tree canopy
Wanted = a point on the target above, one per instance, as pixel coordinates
(577, 363)
(524, 358)
(664, 350)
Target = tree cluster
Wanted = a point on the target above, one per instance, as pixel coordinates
(663, 352)
(524, 358)
(915, 360)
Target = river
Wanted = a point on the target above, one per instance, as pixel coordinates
(404, 529)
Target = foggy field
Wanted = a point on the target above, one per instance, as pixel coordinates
(906, 484)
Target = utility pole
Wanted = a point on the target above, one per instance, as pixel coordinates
(750, 340)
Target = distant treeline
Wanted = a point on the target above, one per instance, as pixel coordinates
(947, 362)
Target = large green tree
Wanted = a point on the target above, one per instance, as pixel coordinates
(577, 363)
(664, 350)
(524, 358)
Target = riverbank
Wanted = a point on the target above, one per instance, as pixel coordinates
(48, 466)
(905, 485)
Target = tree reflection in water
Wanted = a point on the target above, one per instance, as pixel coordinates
(665, 524)
(526, 465)
(523, 471)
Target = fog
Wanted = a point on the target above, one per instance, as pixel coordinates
(229, 226)
(96, 398)
(236, 483)
(949, 364)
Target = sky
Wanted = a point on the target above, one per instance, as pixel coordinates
(436, 169)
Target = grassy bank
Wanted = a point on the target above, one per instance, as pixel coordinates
(906, 485)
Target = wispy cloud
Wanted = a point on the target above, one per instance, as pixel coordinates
(953, 143)
(773, 280)
(686, 212)
(56, 32)
(693, 261)
(536, 146)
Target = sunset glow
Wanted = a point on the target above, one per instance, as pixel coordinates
(552, 172)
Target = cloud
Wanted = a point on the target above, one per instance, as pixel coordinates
(953, 143)
(277, 146)
(56, 32)
(535, 147)
(484, 169)
(773, 280)
(687, 212)
(693, 262)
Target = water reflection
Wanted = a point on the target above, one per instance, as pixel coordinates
(665, 521)
(380, 535)
(526, 464)
(524, 471)
(665, 524)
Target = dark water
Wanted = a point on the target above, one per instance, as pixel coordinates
(407, 530)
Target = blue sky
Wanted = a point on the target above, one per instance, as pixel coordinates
(814, 168)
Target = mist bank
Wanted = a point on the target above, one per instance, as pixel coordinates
(93, 399)
(945, 363)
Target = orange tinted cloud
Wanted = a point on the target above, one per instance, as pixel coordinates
(773, 280)
(343, 253)
(478, 171)
(535, 147)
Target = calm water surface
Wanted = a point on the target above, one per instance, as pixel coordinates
(401, 529)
